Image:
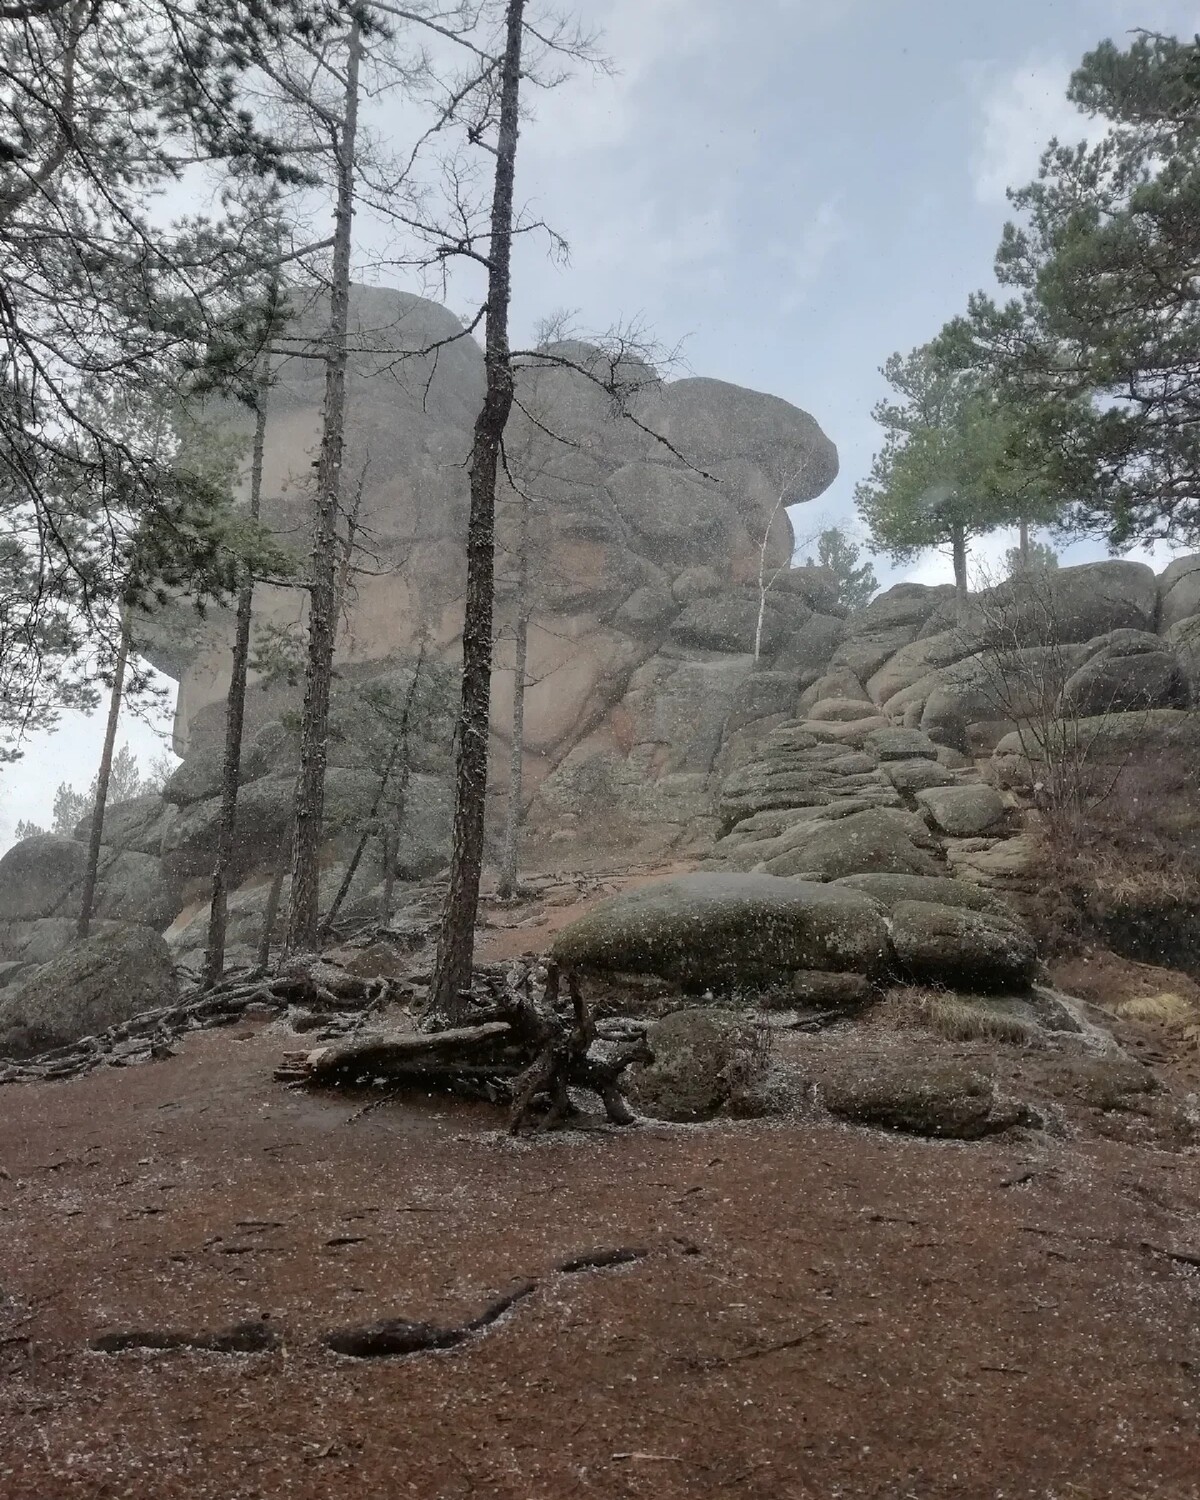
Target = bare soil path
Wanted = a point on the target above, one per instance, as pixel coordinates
(823, 1312)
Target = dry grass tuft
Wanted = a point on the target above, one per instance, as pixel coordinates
(1168, 1009)
(952, 1017)
(977, 1021)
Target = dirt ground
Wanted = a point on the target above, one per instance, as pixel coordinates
(823, 1311)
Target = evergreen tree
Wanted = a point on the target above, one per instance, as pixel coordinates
(102, 107)
(950, 468)
(1038, 555)
(1098, 339)
(856, 582)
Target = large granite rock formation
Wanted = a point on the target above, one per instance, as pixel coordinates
(644, 560)
(848, 746)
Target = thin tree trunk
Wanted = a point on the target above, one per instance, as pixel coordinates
(359, 849)
(88, 899)
(958, 543)
(303, 913)
(235, 713)
(516, 763)
(456, 945)
(398, 754)
(263, 961)
(389, 874)
(1023, 544)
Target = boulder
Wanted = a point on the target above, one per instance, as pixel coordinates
(38, 875)
(999, 862)
(729, 622)
(997, 686)
(1125, 671)
(1179, 590)
(646, 611)
(1183, 639)
(701, 582)
(702, 1059)
(137, 825)
(916, 775)
(917, 660)
(839, 682)
(891, 620)
(132, 888)
(719, 930)
(816, 586)
(811, 646)
(841, 710)
(947, 1101)
(953, 945)
(941, 889)
(900, 744)
(963, 811)
(1061, 606)
(878, 839)
(1113, 736)
(94, 985)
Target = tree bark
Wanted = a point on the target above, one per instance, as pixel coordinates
(235, 713)
(958, 544)
(303, 912)
(263, 961)
(516, 763)
(389, 874)
(88, 899)
(456, 944)
(1023, 544)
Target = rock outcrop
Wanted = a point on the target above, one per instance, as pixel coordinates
(110, 978)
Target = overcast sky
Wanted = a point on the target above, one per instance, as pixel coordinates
(794, 188)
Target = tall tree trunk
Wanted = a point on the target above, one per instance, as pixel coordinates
(1023, 544)
(303, 913)
(235, 712)
(88, 899)
(958, 545)
(516, 762)
(456, 944)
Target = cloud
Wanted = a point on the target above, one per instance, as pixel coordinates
(599, 110)
(1019, 113)
(806, 256)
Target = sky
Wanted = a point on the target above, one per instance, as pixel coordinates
(791, 189)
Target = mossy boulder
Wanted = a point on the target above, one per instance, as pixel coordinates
(704, 1059)
(954, 945)
(879, 839)
(722, 930)
(947, 1101)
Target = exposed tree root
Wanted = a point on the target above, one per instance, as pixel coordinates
(530, 1051)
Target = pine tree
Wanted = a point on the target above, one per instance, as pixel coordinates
(1097, 341)
(856, 582)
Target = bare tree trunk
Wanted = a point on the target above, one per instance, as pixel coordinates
(516, 763)
(263, 961)
(303, 913)
(456, 944)
(389, 874)
(88, 899)
(958, 543)
(235, 713)
(1023, 544)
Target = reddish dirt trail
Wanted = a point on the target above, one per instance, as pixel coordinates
(825, 1312)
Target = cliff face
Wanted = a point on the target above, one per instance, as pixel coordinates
(645, 543)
